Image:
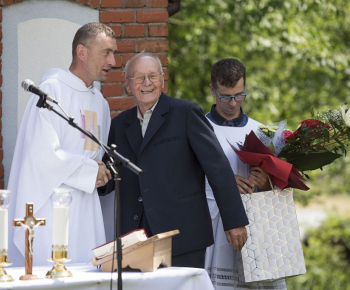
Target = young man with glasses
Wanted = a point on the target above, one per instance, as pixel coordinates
(228, 85)
(172, 141)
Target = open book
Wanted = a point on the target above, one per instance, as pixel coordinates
(127, 240)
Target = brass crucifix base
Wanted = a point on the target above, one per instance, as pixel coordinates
(59, 270)
(3, 275)
(28, 277)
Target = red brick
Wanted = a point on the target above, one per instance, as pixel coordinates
(1, 154)
(121, 104)
(115, 76)
(166, 88)
(0, 64)
(117, 30)
(126, 58)
(0, 14)
(153, 45)
(163, 59)
(1, 48)
(135, 3)
(158, 30)
(2, 184)
(0, 80)
(152, 16)
(166, 74)
(137, 30)
(94, 3)
(1, 170)
(7, 2)
(84, 1)
(0, 125)
(158, 3)
(111, 3)
(0, 32)
(116, 16)
(112, 90)
(1, 138)
(118, 60)
(126, 46)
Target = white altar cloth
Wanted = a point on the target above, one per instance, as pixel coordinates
(89, 278)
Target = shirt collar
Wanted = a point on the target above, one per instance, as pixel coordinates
(219, 120)
(139, 116)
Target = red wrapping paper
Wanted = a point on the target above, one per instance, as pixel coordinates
(282, 173)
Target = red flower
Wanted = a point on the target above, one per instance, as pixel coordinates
(313, 123)
(309, 124)
(286, 134)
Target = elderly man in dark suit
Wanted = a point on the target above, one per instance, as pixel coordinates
(173, 143)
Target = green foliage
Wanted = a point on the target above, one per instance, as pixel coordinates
(296, 52)
(327, 257)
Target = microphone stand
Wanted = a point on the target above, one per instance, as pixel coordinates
(115, 165)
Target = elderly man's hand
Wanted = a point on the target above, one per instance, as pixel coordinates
(237, 237)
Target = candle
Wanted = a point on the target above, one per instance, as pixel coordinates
(3, 231)
(60, 225)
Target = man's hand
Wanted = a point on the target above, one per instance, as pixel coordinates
(259, 178)
(244, 185)
(103, 174)
(237, 237)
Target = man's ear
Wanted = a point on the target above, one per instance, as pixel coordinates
(127, 86)
(81, 52)
(212, 89)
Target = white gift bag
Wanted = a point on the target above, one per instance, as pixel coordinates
(273, 249)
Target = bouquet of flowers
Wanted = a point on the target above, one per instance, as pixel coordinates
(315, 143)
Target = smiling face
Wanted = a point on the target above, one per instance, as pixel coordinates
(97, 58)
(232, 109)
(146, 93)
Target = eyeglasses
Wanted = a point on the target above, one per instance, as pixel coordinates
(227, 99)
(152, 77)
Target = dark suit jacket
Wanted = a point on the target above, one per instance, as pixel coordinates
(178, 150)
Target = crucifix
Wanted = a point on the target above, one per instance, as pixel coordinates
(29, 223)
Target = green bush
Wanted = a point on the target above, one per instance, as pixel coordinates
(327, 257)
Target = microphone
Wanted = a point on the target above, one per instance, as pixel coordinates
(29, 86)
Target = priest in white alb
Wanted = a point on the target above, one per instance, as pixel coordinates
(50, 153)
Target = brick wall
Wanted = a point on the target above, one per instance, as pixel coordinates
(139, 24)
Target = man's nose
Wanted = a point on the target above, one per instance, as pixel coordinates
(111, 60)
(233, 101)
(146, 80)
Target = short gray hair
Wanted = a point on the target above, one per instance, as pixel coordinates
(139, 55)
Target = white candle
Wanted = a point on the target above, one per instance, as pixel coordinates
(60, 225)
(3, 229)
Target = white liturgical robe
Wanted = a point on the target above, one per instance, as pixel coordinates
(50, 153)
(221, 261)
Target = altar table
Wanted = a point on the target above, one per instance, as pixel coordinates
(86, 277)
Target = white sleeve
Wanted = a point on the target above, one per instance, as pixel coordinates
(82, 177)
